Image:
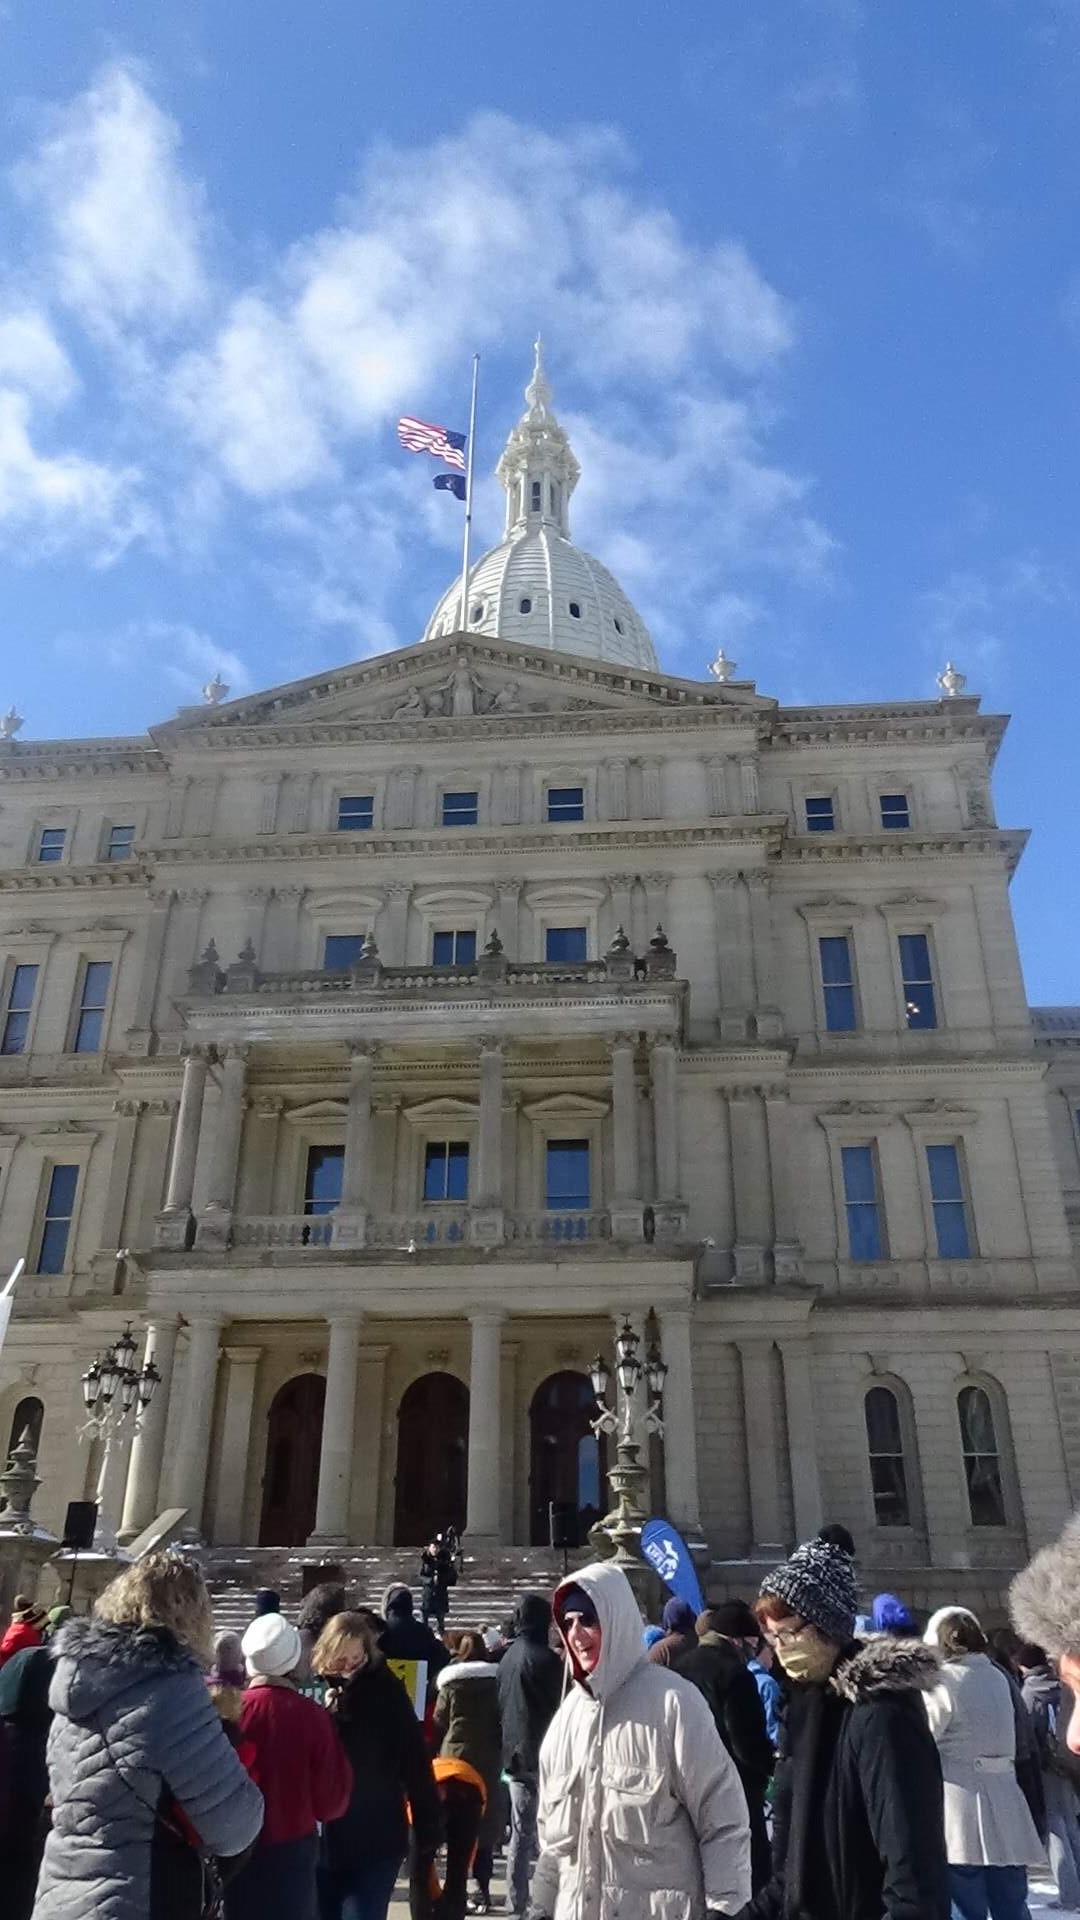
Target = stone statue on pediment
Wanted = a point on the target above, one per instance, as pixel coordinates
(413, 707)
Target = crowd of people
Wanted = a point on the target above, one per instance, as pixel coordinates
(787, 1758)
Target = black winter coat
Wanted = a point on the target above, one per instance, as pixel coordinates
(406, 1638)
(384, 1741)
(719, 1672)
(530, 1688)
(858, 1829)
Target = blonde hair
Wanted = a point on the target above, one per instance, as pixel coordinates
(470, 1646)
(228, 1700)
(344, 1630)
(162, 1591)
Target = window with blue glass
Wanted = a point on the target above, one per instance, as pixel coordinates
(56, 1224)
(952, 1223)
(567, 1183)
(838, 982)
(453, 947)
(20, 1002)
(895, 811)
(92, 1003)
(820, 813)
(121, 843)
(51, 844)
(917, 978)
(566, 803)
(322, 1185)
(342, 950)
(356, 812)
(568, 944)
(460, 809)
(446, 1170)
(862, 1202)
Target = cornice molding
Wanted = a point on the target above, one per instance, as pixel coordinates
(121, 876)
(629, 837)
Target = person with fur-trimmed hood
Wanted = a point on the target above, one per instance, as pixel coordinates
(641, 1811)
(858, 1830)
(1044, 1601)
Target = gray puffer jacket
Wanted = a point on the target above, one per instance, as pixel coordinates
(132, 1720)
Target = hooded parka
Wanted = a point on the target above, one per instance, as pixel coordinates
(467, 1721)
(641, 1812)
(132, 1721)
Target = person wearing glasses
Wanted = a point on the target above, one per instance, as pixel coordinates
(641, 1812)
(858, 1810)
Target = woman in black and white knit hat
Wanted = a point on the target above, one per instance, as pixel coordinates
(858, 1831)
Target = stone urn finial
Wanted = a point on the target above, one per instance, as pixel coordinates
(10, 723)
(18, 1484)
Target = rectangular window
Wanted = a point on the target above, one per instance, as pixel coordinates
(356, 812)
(460, 809)
(91, 1015)
(952, 1227)
(51, 844)
(862, 1203)
(568, 944)
(567, 1176)
(566, 803)
(895, 811)
(446, 1170)
(121, 843)
(920, 1004)
(838, 982)
(56, 1226)
(453, 948)
(342, 950)
(20, 1000)
(820, 814)
(322, 1185)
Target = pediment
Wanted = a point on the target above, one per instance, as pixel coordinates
(457, 678)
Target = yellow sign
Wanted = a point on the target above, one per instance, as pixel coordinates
(413, 1677)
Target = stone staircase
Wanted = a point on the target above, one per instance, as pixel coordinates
(486, 1594)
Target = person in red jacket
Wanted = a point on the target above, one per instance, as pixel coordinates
(302, 1770)
(27, 1628)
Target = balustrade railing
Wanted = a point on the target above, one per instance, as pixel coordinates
(283, 1230)
(410, 1232)
(563, 1227)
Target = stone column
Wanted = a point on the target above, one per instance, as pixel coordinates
(350, 1219)
(680, 1433)
(664, 1069)
(650, 789)
(509, 892)
(215, 1222)
(338, 1433)
(748, 776)
(618, 798)
(142, 1498)
(767, 1014)
(139, 1034)
(802, 1437)
(235, 1445)
(733, 952)
(482, 1522)
(174, 1224)
(193, 1445)
(626, 1211)
(112, 1220)
(784, 1169)
(750, 1173)
(486, 1225)
(764, 1468)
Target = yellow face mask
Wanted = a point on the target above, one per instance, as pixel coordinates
(807, 1657)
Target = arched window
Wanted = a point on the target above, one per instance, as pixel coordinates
(982, 1457)
(536, 496)
(524, 604)
(477, 613)
(575, 610)
(28, 1417)
(885, 1447)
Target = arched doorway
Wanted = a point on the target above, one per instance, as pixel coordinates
(431, 1485)
(291, 1480)
(568, 1461)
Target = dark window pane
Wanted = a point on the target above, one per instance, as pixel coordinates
(63, 1186)
(575, 610)
(524, 604)
(820, 815)
(59, 1207)
(96, 983)
(356, 811)
(883, 1421)
(446, 1170)
(20, 1001)
(865, 1239)
(342, 950)
(567, 1175)
(919, 1003)
(16, 1029)
(88, 1032)
(566, 803)
(51, 844)
(982, 1464)
(322, 1189)
(451, 948)
(54, 1239)
(950, 1207)
(568, 944)
(121, 843)
(894, 810)
(885, 1445)
(460, 810)
(837, 981)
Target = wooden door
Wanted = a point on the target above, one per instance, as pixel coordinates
(431, 1487)
(568, 1461)
(291, 1480)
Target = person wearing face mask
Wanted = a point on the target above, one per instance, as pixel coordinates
(858, 1812)
(641, 1813)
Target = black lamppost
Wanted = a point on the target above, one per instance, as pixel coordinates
(114, 1392)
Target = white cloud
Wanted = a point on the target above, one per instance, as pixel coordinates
(53, 501)
(32, 358)
(182, 657)
(975, 617)
(123, 221)
(250, 399)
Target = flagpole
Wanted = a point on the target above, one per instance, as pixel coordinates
(468, 498)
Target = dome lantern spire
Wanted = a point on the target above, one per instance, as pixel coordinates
(538, 470)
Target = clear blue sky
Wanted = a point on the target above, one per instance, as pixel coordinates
(809, 275)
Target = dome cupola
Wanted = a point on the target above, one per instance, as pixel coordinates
(536, 587)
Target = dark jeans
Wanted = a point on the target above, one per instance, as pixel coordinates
(524, 1846)
(1000, 1892)
(278, 1883)
(362, 1894)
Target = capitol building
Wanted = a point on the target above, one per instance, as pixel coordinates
(378, 1043)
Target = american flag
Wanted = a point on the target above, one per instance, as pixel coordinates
(421, 437)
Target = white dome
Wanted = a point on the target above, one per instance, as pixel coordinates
(536, 587)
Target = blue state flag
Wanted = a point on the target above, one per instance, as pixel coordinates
(668, 1554)
(452, 482)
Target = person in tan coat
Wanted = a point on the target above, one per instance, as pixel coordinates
(641, 1811)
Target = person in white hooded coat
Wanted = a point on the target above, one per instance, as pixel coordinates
(641, 1811)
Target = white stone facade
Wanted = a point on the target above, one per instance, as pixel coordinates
(707, 1101)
